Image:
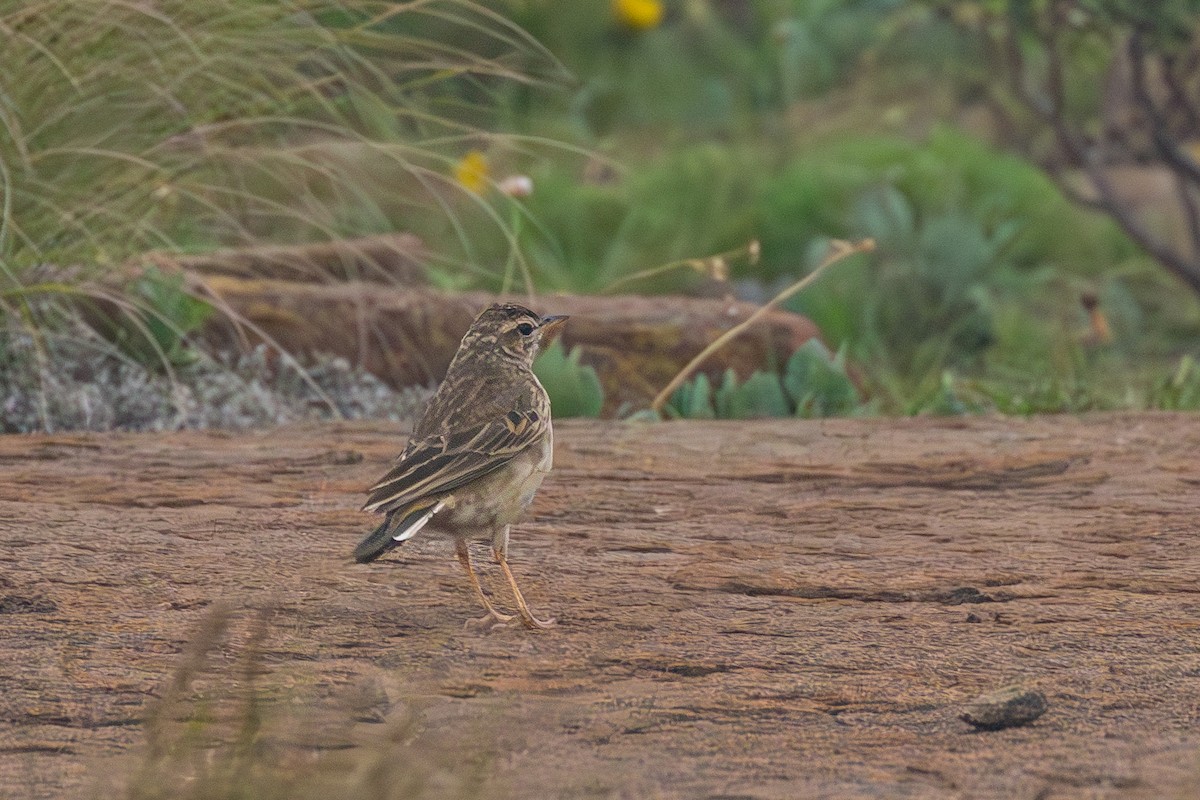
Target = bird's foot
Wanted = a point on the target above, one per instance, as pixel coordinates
(533, 623)
(483, 624)
(493, 619)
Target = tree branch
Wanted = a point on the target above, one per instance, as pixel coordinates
(1160, 133)
(1179, 97)
(1187, 172)
(1077, 149)
(1045, 98)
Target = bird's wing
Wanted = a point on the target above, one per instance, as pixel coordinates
(440, 464)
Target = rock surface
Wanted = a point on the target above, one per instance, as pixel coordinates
(763, 610)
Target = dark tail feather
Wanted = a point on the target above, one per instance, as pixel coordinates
(379, 542)
(395, 529)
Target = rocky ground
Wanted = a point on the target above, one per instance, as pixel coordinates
(774, 609)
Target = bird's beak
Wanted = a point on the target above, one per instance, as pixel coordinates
(549, 328)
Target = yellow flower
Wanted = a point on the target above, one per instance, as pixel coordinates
(472, 172)
(638, 15)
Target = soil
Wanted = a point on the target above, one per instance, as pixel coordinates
(770, 609)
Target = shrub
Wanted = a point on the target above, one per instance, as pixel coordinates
(814, 383)
(574, 388)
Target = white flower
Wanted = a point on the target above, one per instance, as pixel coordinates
(516, 186)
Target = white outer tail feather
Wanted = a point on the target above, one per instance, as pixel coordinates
(413, 529)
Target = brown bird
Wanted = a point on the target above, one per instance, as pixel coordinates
(479, 452)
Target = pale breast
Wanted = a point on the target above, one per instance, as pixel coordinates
(502, 497)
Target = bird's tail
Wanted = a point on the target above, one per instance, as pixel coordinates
(397, 528)
(378, 543)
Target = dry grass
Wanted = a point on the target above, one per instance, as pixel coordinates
(222, 729)
(184, 125)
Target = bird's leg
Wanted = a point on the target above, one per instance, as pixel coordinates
(464, 558)
(526, 615)
(499, 550)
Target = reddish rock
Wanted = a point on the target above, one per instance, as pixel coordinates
(775, 609)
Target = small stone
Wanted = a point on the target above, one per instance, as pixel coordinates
(1009, 707)
(974, 618)
(965, 594)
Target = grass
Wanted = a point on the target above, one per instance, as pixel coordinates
(183, 126)
(221, 729)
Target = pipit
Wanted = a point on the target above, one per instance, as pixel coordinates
(479, 452)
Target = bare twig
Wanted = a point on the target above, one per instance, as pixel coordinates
(1072, 192)
(1180, 99)
(1187, 171)
(1043, 93)
(715, 266)
(838, 250)
(1164, 140)
(1077, 149)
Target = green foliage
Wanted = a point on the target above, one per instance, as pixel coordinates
(1168, 22)
(694, 399)
(817, 383)
(761, 395)
(947, 399)
(930, 282)
(814, 383)
(963, 233)
(949, 171)
(709, 67)
(574, 388)
(581, 232)
(1181, 390)
(784, 121)
(817, 44)
(1057, 73)
(162, 315)
(183, 125)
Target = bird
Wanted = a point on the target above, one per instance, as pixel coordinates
(478, 453)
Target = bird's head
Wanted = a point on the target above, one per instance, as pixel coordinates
(510, 330)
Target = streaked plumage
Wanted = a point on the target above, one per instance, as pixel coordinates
(479, 452)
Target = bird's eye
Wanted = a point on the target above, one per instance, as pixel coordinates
(525, 329)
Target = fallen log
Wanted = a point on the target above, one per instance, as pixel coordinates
(407, 336)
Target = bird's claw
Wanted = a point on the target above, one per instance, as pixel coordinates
(533, 623)
(490, 621)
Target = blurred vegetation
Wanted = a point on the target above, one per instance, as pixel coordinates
(651, 134)
(163, 314)
(795, 122)
(814, 383)
(183, 126)
(574, 388)
(218, 731)
(1100, 93)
